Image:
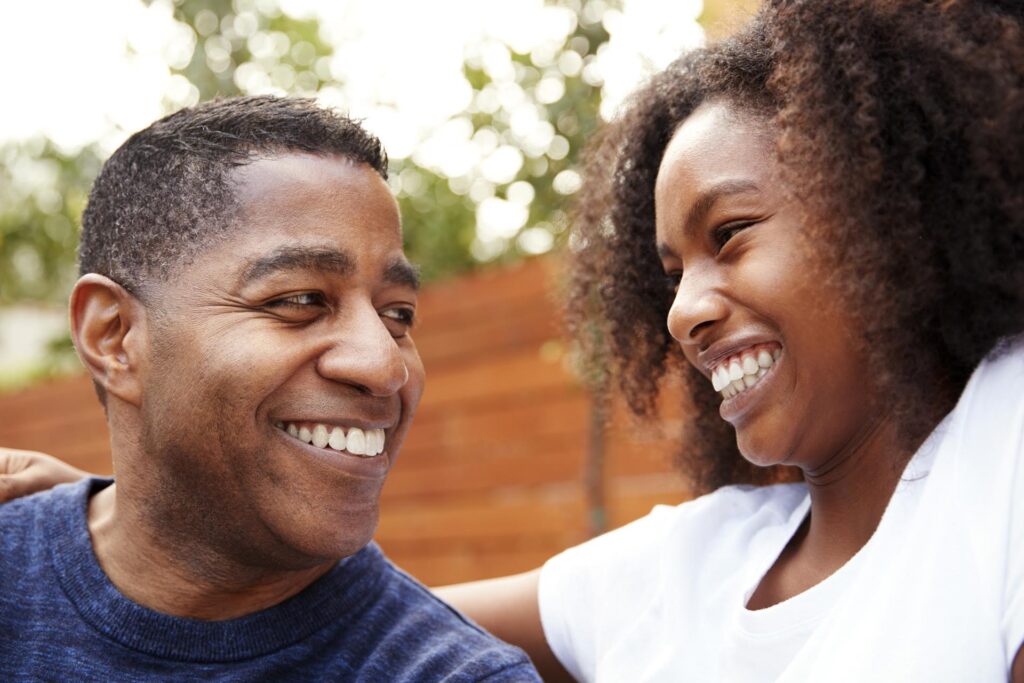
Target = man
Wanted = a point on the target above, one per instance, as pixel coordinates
(245, 312)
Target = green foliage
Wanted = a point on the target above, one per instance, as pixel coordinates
(42, 195)
(440, 212)
(243, 46)
(247, 46)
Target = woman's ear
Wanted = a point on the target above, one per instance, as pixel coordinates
(108, 327)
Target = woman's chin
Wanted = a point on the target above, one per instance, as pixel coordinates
(758, 452)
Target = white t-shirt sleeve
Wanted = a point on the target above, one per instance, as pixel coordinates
(1013, 617)
(588, 593)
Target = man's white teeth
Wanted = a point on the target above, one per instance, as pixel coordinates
(356, 442)
(368, 443)
(741, 372)
(320, 436)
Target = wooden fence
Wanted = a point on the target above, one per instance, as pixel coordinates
(491, 480)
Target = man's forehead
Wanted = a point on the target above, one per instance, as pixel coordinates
(288, 172)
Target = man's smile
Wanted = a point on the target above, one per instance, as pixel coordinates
(364, 442)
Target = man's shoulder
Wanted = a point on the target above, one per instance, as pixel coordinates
(20, 517)
(436, 641)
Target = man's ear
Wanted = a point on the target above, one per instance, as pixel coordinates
(108, 327)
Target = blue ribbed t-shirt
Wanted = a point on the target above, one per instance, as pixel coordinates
(61, 619)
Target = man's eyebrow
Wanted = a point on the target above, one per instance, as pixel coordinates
(401, 272)
(319, 259)
(706, 200)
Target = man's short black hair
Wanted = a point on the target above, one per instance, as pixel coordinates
(165, 193)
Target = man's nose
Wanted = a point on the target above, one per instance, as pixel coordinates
(364, 355)
(697, 306)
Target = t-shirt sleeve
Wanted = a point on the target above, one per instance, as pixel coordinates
(1013, 617)
(589, 593)
(559, 595)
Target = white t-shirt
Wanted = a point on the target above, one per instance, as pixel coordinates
(937, 593)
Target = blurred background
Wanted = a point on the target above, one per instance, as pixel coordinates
(484, 107)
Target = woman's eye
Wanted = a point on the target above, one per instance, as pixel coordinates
(726, 232)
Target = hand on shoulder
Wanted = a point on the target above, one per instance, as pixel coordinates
(26, 472)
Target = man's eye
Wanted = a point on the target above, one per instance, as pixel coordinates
(298, 301)
(403, 317)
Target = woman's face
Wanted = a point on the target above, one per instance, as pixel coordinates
(750, 310)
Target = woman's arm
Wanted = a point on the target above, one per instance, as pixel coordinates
(508, 608)
(1017, 673)
(25, 472)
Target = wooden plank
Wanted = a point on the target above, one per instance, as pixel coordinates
(57, 398)
(556, 512)
(559, 462)
(468, 563)
(479, 425)
(522, 373)
(533, 279)
(506, 330)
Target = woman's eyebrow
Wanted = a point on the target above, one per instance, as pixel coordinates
(706, 200)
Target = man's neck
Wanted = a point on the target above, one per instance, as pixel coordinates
(187, 579)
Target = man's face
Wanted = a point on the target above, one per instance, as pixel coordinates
(295, 326)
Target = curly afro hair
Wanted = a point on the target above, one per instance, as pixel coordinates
(901, 124)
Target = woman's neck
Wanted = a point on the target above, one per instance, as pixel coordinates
(849, 494)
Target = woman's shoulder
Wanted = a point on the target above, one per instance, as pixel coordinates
(728, 515)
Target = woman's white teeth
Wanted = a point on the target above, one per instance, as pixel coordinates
(742, 372)
(720, 377)
(735, 370)
(368, 443)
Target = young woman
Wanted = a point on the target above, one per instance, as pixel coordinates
(827, 210)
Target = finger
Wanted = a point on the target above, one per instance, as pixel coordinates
(15, 486)
(17, 478)
(14, 461)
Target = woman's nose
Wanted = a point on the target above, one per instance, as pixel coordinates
(697, 306)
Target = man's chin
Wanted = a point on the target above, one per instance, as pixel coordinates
(314, 544)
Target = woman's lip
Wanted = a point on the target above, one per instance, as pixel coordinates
(375, 467)
(732, 409)
(726, 348)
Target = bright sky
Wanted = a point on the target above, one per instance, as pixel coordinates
(73, 80)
